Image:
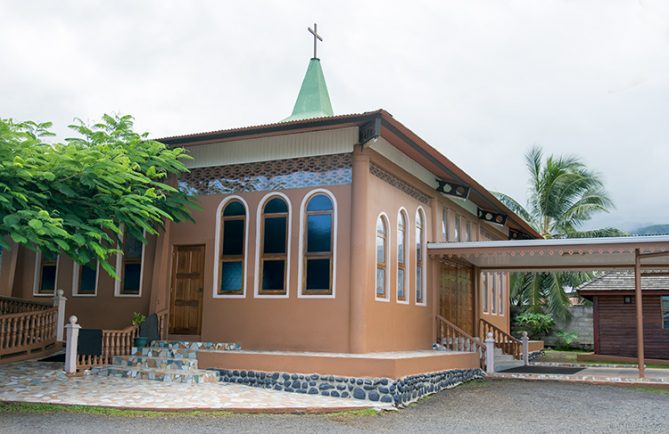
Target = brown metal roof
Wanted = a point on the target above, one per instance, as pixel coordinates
(623, 281)
(269, 129)
(392, 130)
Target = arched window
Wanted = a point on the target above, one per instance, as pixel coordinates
(402, 257)
(318, 246)
(502, 293)
(493, 292)
(420, 267)
(232, 249)
(444, 225)
(381, 258)
(456, 229)
(274, 248)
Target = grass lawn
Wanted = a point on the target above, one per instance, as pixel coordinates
(23, 407)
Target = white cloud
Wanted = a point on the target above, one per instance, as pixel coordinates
(480, 80)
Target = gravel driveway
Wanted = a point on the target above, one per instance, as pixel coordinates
(495, 406)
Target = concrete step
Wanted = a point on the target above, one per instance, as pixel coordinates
(504, 358)
(195, 346)
(164, 353)
(165, 375)
(142, 361)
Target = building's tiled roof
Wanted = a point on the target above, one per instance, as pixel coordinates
(624, 281)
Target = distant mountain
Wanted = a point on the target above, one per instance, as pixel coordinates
(653, 230)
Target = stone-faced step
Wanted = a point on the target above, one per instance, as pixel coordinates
(196, 346)
(165, 375)
(165, 353)
(155, 362)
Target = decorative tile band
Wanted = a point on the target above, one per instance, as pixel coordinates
(269, 175)
(399, 184)
(400, 392)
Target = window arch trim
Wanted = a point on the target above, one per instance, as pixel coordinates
(217, 248)
(300, 269)
(407, 285)
(259, 243)
(386, 221)
(420, 212)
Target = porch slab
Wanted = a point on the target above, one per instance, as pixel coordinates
(40, 382)
(396, 364)
(592, 375)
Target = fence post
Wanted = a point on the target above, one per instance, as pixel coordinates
(59, 301)
(71, 346)
(526, 349)
(490, 354)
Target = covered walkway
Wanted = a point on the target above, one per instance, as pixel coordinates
(574, 254)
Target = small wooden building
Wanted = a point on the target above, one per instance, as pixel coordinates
(614, 313)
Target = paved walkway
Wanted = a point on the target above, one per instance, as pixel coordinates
(594, 374)
(46, 383)
(496, 407)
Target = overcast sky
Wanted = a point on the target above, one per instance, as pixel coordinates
(482, 81)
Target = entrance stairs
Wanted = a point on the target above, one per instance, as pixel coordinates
(168, 361)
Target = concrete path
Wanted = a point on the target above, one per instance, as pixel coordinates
(593, 374)
(46, 383)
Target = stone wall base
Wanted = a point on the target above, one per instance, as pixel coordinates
(400, 392)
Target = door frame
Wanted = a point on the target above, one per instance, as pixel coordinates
(173, 276)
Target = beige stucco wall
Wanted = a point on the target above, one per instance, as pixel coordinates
(105, 310)
(273, 323)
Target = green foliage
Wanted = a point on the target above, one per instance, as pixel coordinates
(138, 318)
(564, 194)
(565, 339)
(74, 197)
(537, 325)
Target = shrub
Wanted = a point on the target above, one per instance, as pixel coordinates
(565, 339)
(536, 325)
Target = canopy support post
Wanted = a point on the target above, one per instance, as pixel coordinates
(639, 313)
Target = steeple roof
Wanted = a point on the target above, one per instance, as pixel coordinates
(313, 100)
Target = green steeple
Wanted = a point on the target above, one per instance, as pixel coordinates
(313, 100)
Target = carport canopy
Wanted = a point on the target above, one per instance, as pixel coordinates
(567, 254)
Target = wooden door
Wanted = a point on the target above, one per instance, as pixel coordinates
(186, 290)
(456, 295)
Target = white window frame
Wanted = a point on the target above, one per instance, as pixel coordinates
(75, 280)
(423, 249)
(389, 237)
(407, 244)
(119, 268)
(259, 240)
(38, 272)
(217, 247)
(300, 266)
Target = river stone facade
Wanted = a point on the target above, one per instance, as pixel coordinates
(399, 392)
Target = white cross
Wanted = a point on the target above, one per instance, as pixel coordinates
(317, 37)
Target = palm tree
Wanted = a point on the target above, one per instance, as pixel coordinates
(564, 194)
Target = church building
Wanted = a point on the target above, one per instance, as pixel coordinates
(312, 236)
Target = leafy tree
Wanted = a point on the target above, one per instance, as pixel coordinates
(564, 194)
(76, 197)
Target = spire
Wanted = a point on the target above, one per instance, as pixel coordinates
(313, 100)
